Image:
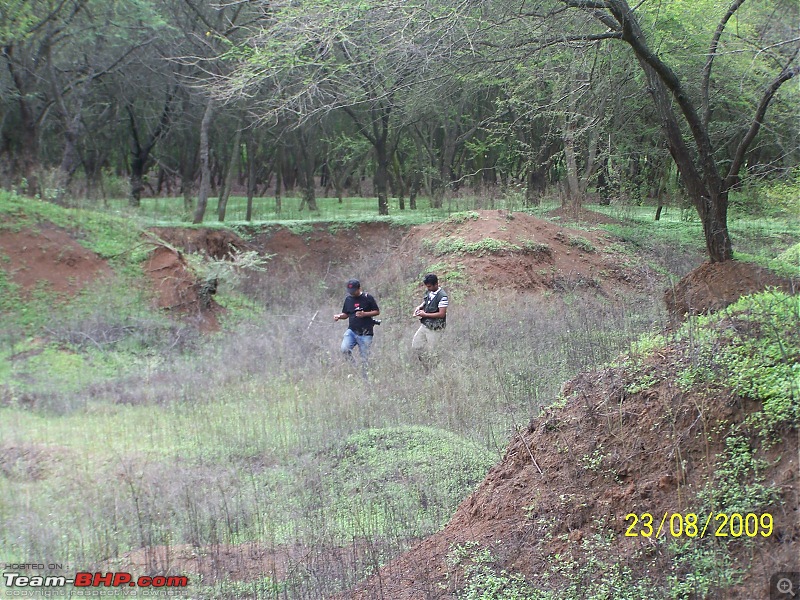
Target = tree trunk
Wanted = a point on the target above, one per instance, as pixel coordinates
(533, 188)
(136, 180)
(251, 177)
(205, 167)
(381, 178)
(306, 167)
(416, 182)
(278, 178)
(572, 198)
(29, 135)
(233, 164)
(703, 184)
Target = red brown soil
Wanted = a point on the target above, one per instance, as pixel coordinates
(582, 216)
(565, 262)
(323, 249)
(51, 258)
(177, 288)
(217, 243)
(713, 286)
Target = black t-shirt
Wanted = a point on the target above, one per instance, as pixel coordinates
(360, 325)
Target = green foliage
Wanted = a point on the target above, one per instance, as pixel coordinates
(779, 266)
(419, 472)
(791, 256)
(228, 271)
(484, 247)
(581, 243)
(462, 217)
(759, 354)
(587, 570)
(9, 291)
(774, 199)
(701, 570)
(752, 348)
(484, 581)
(737, 485)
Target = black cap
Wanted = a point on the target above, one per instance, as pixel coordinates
(353, 284)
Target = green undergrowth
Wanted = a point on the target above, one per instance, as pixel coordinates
(412, 473)
(751, 348)
(585, 569)
(111, 237)
(232, 471)
(484, 247)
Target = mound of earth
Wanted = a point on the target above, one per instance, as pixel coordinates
(630, 440)
(178, 290)
(499, 249)
(213, 242)
(582, 216)
(713, 286)
(51, 258)
(488, 248)
(322, 248)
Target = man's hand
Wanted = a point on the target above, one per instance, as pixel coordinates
(337, 317)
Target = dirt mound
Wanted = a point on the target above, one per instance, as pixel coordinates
(713, 286)
(499, 249)
(630, 440)
(217, 243)
(583, 216)
(179, 291)
(49, 257)
(323, 247)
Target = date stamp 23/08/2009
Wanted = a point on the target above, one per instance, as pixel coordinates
(693, 525)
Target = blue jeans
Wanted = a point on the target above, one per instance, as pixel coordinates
(351, 340)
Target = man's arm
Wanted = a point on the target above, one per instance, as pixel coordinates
(373, 310)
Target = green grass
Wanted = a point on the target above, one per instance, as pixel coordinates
(169, 211)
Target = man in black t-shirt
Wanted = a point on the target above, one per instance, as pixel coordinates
(360, 309)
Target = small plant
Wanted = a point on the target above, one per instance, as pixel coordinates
(593, 462)
(484, 247)
(462, 217)
(484, 581)
(700, 570)
(737, 485)
(531, 247)
(581, 243)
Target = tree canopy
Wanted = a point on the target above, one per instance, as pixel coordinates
(574, 98)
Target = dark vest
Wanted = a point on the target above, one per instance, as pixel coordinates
(432, 306)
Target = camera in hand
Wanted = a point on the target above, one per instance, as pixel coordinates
(376, 321)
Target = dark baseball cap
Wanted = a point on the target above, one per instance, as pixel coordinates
(353, 284)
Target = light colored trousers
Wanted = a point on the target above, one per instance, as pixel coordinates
(425, 340)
